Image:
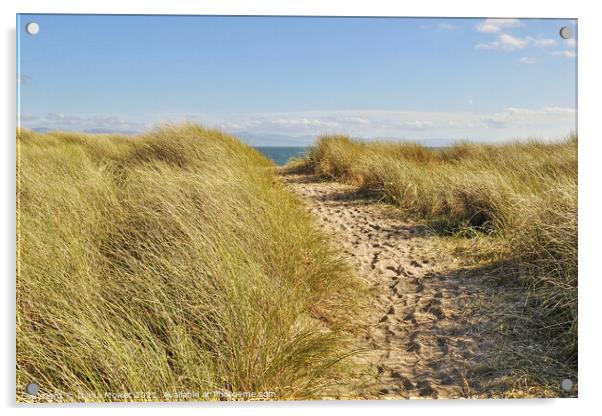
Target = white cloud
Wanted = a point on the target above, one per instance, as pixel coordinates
(303, 126)
(76, 122)
(496, 25)
(540, 42)
(525, 117)
(527, 60)
(508, 42)
(565, 54)
(505, 42)
(509, 123)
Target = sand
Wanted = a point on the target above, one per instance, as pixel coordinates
(420, 336)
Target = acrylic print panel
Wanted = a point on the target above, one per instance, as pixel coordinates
(277, 208)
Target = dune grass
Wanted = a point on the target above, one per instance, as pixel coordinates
(170, 262)
(518, 200)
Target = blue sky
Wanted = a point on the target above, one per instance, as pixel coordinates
(282, 80)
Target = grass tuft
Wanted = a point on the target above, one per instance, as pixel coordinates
(171, 261)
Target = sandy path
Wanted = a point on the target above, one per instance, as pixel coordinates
(421, 335)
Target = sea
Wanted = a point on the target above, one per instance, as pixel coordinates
(281, 154)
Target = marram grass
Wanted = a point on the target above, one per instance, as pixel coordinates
(518, 198)
(170, 262)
